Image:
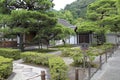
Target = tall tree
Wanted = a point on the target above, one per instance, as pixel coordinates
(64, 14)
(64, 33)
(118, 5)
(78, 8)
(40, 5)
(100, 10)
(29, 15)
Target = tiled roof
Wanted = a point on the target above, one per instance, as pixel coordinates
(65, 23)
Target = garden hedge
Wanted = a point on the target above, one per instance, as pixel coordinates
(68, 52)
(58, 69)
(6, 67)
(36, 58)
(10, 53)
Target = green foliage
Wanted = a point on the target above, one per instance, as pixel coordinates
(69, 51)
(118, 6)
(45, 50)
(66, 52)
(92, 52)
(28, 16)
(5, 67)
(58, 69)
(87, 26)
(30, 20)
(63, 46)
(4, 19)
(64, 14)
(77, 56)
(104, 12)
(101, 9)
(10, 53)
(36, 58)
(105, 47)
(3, 7)
(39, 5)
(62, 32)
(112, 23)
(79, 8)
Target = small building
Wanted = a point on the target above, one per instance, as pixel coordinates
(72, 38)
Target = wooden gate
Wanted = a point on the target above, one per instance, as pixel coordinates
(83, 38)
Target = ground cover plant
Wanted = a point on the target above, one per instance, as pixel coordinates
(63, 45)
(78, 55)
(57, 66)
(10, 53)
(45, 50)
(58, 69)
(36, 58)
(5, 67)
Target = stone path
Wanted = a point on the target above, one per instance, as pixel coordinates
(25, 72)
(110, 70)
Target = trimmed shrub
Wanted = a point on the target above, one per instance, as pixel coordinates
(10, 53)
(6, 67)
(63, 46)
(78, 55)
(58, 69)
(36, 58)
(67, 52)
(105, 48)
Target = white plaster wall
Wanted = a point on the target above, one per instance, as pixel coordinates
(58, 42)
(72, 40)
(111, 38)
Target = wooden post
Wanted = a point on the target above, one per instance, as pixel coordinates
(81, 74)
(76, 74)
(89, 71)
(42, 75)
(111, 52)
(106, 57)
(100, 61)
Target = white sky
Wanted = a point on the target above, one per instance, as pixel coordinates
(60, 4)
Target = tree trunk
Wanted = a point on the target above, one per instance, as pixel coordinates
(47, 43)
(63, 41)
(21, 44)
(39, 44)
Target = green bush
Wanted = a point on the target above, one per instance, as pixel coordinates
(67, 52)
(36, 58)
(63, 46)
(5, 67)
(58, 69)
(10, 53)
(105, 48)
(78, 55)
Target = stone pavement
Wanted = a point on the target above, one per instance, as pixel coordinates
(25, 72)
(111, 69)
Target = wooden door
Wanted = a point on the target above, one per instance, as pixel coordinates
(83, 38)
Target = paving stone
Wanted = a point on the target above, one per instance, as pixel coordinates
(27, 70)
(24, 72)
(110, 70)
(30, 74)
